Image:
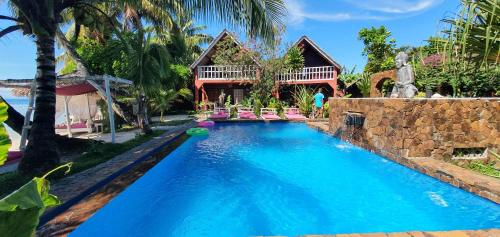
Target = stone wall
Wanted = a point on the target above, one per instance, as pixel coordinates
(409, 128)
(377, 80)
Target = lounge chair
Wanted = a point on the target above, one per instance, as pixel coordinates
(294, 114)
(246, 113)
(269, 114)
(220, 114)
(75, 127)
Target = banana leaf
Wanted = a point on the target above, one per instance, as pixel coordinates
(20, 211)
(4, 136)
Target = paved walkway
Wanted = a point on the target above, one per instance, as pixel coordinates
(168, 118)
(459, 233)
(120, 137)
(69, 187)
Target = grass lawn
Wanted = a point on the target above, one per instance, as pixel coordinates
(97, 153)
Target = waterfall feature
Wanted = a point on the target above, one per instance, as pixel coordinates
(352, 126)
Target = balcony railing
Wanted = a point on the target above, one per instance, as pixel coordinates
(308, 74)
(227, 72)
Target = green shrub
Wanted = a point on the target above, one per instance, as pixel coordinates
(304, 99)
(20, 211)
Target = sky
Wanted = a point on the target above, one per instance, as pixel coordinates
(332, 24)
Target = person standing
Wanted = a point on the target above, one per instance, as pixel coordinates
(318, 103)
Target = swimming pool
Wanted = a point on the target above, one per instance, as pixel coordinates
(250, 179)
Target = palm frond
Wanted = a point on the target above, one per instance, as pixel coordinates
(9, 29)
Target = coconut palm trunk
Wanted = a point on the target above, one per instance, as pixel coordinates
(142, 115)
(41, 153)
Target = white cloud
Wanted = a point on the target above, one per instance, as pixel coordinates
(391, 6)
(371, 10)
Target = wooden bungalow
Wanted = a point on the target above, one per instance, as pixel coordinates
(211, 79)
(320, 70)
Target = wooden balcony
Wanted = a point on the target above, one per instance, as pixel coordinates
(308, 74)
(227, 73)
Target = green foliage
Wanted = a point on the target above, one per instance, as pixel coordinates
(304, 99)
(228, 52)
(486, 169)
(484, 82)
(387, 87)
(163, 100)
(294, 60)
(257, 106)
(4, 136)
(349, 76)
(364, 85)
(263, 89)
(20, 211)
(473, 36)
(227, 104)
(379, 48)
(246, 102)
(326, 110)
(278, 105)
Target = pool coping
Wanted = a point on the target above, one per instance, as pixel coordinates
(453, 233)
(468, 180)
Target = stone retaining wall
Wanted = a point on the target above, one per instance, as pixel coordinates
(421, 127)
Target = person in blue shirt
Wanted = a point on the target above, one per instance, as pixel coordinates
(318, 103)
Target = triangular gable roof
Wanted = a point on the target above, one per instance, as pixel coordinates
(319, 50)
(212, 45)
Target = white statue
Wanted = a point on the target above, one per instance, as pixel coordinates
(404, 87)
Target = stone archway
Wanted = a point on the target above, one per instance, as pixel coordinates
(378, 79)
(382, 83)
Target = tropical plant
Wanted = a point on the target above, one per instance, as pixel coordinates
(163, 100)
(184, 39)
(326, 110)
(473, 36)
(387, 87)
(228, 52)
(4, 136)
(20, 211)
(471, 46)
(246, 102)
(379, 48)
(349, 76)
(364, 84)
(40, 20)
(304, 99)
(294, 60)
(278, 105)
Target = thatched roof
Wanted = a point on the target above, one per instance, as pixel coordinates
(21, 87)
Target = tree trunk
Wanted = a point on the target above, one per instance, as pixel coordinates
(142, 115)
(41, 153)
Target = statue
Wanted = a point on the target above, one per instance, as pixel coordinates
(222, 98)
(404, 87)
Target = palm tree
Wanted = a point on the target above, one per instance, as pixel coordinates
(474, 34)
(40, 19)
(147, 65)
(184, 38)
(163, 100)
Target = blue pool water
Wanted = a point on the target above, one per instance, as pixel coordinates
(283, 179)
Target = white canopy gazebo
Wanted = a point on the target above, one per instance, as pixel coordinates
(72, 85)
